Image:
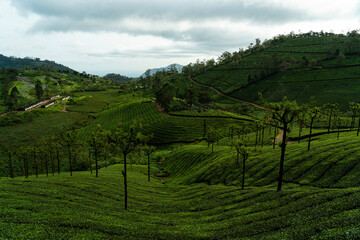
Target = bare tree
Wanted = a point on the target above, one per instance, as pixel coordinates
(284, 113)
(148, 151)
(69, 140)
(313, 113)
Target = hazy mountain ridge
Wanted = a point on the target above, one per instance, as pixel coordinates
(153, 71)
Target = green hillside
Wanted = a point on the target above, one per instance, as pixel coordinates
(331, 163)
(295, 66)
(85, 207)
(31, 63)
(197, 129)
(164, 128)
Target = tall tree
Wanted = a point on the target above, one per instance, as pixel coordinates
(39, 89)
(13, 99)
(148, 151)
(10, 162)
(242, 149)
(301, 121)
(211, 137)
(313, 113)
(283, 113)
(97, 142)
(47, 82)
(165, 96)
(331, 108)
(70, 141)
(354, 107)
(126, 140)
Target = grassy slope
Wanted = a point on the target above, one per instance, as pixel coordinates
(328, 82)
(82, 206)
(330, 163)
(165, 129)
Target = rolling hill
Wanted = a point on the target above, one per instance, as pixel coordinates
(195, 189)
(32, 63)
(295, 66)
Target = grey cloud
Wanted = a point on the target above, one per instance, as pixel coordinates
(162, 19)
(236, 10)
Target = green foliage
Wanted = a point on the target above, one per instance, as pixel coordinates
(20, 118)
(297, 66)
(38, 89)
(117, 77)
(27, 62)
(95, 207)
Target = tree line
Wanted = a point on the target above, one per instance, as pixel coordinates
(52, 156)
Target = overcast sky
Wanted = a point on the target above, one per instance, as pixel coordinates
(130, 36)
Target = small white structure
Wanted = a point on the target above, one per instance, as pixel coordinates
(54, 97)
(65, 98)
(32, 105)
(49, 104)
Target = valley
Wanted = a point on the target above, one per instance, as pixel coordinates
(260, 144)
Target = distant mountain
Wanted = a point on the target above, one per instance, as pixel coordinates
(152, 72)
(19, 63)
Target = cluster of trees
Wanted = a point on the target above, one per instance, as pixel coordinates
(282, 115)
(286, 112)
(167, 88)
(31, 63)
(67, 152)
(117, 78)
(9, 95)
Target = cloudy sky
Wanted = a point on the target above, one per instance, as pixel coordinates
(130, 36)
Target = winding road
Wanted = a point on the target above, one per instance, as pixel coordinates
(223, 94)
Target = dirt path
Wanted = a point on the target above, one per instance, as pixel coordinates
(162, 110)
(64, 108)
(4, 114)
(223, 94)
(278, 139)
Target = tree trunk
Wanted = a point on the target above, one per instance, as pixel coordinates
(243, 174)
(90, 160)
(237, 158)
(204, 128)
(311, 126)
(58, 160)
(10, 166)
(149, 167)
(22, 167)
(25, 166)
(52, 163)
(329, 125)
(358, 130)
(125, 182)
(46, 165)
(69, 154)
(282, 158)
(262, 137)
(96, 161)
(274, 138)
(256, 137)
(36, 164)
(212, 148)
